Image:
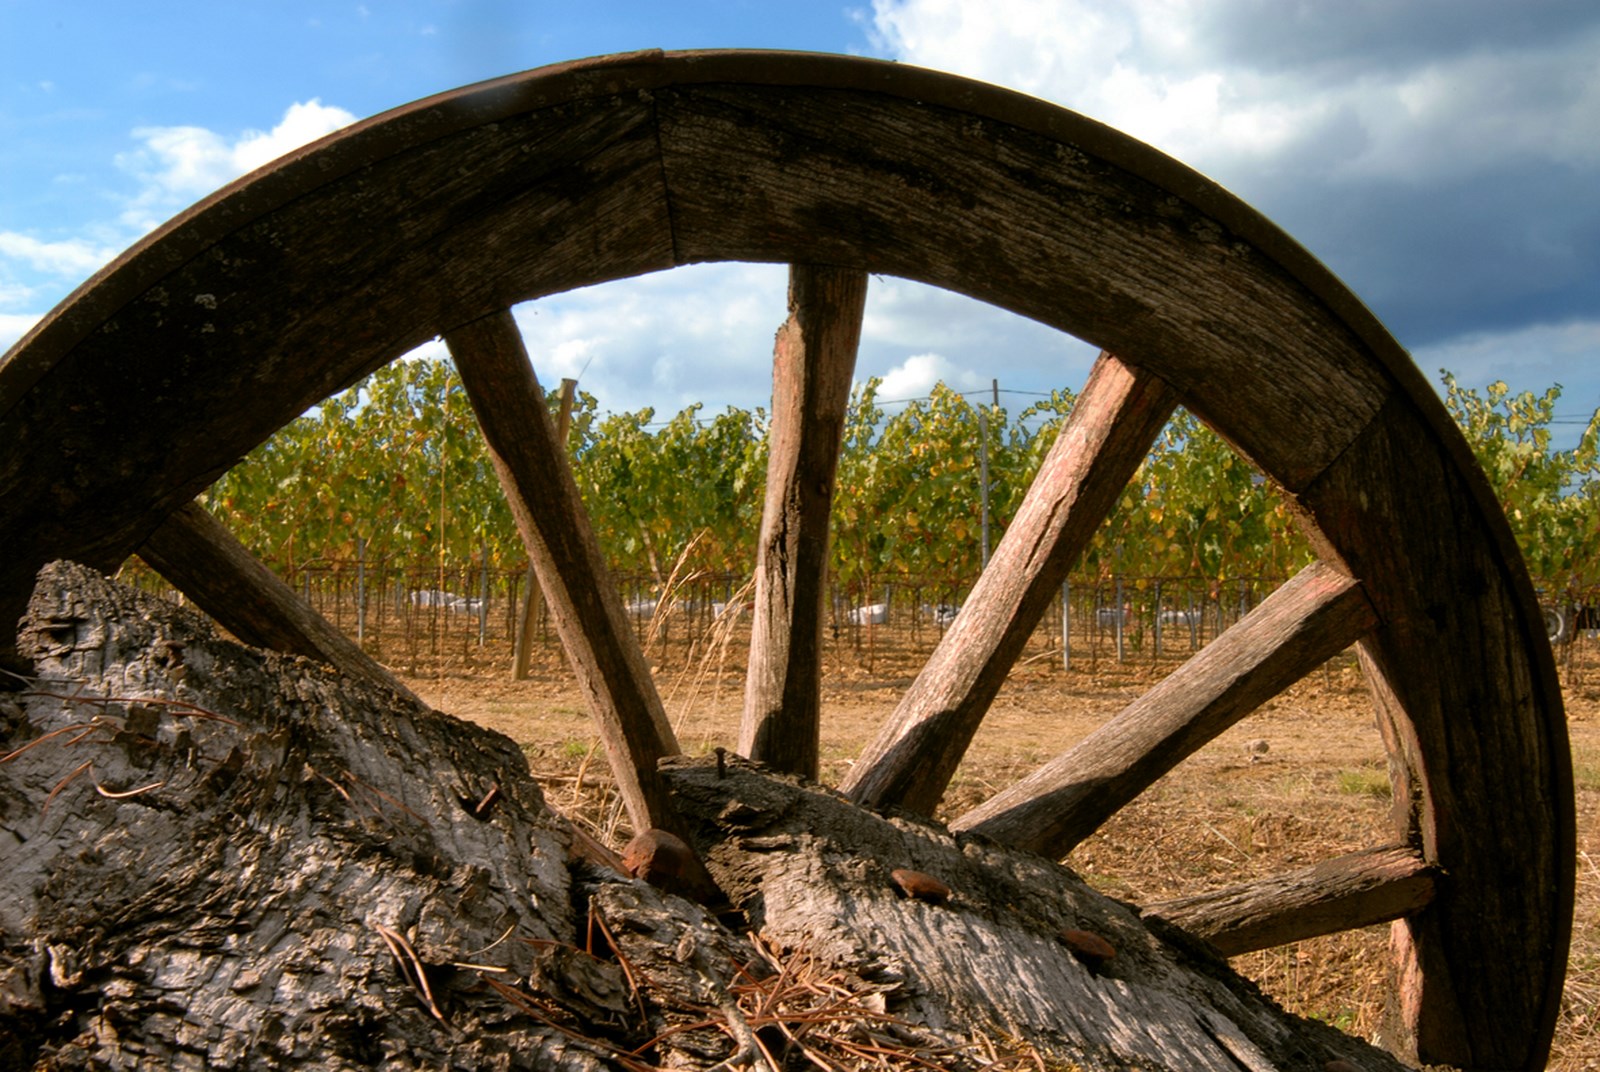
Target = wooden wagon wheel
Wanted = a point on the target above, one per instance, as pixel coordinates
(159, 373)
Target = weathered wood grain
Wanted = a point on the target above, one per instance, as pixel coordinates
(171, 364)
(532, 599)
(816, 874)
(197, 553)
(1053, 227)
(263, 856)
(585, 603)
(1108, 433)
(813, 361)
(1355, 890)
(1478, 746)
(1313, 617)
(361, 248)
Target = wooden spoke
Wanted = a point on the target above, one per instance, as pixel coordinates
(1482, 780)
(584, 603)
(132, 396)
(1341, 894)
(201, 558)
(813, 360)
(1106, 436)
(1314, 616)
(531, 599)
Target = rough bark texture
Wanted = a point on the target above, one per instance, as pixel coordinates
(811, 871)
(223, 858)
(201, 558)
(154, 377)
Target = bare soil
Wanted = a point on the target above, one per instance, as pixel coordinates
(1231, 812)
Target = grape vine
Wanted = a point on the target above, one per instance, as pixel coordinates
(394, 467)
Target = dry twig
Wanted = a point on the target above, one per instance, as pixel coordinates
(411, 968)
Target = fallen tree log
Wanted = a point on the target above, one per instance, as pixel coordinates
(219, 857)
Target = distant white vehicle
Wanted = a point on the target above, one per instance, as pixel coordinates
(643, 608)
(943, 613)
(875, 614)
(433, 597)
(1171, 618)
(1111, 617)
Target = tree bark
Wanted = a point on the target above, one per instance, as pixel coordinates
(221, 858)
(201, 558)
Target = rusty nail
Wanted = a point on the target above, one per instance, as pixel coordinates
(656, 856)
(1088, 947)
(488, 800)
(920, 887)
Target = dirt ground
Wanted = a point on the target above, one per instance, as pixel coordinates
(1229, 813)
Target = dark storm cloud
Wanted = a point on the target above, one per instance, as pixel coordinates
(1448, 161)
(1491, 250)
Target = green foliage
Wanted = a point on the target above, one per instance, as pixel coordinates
(397, 462)
(909, 499)
(1551, 497)
(651, 494)
(1198, 509)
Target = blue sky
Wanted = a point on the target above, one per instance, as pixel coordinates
(1441, 156)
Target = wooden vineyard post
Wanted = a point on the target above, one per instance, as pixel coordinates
(1066, 625)
(532, 598)
(203, 560)
(1106, 436)
(813, 359)
(584, 602)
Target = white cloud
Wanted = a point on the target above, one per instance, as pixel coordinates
(704, 333)
(695, 334)
(174, 166)
(1132, 65)
(14, 326)
(178, 165)
(72, 258)
(1529, 359)
(302, 123)
(31, 270)
(916, 376)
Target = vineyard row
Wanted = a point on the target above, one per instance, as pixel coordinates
(393, 471)
(420, 620)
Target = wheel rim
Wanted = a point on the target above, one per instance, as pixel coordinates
(156, 375)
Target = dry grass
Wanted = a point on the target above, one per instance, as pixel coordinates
(1226, 814)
